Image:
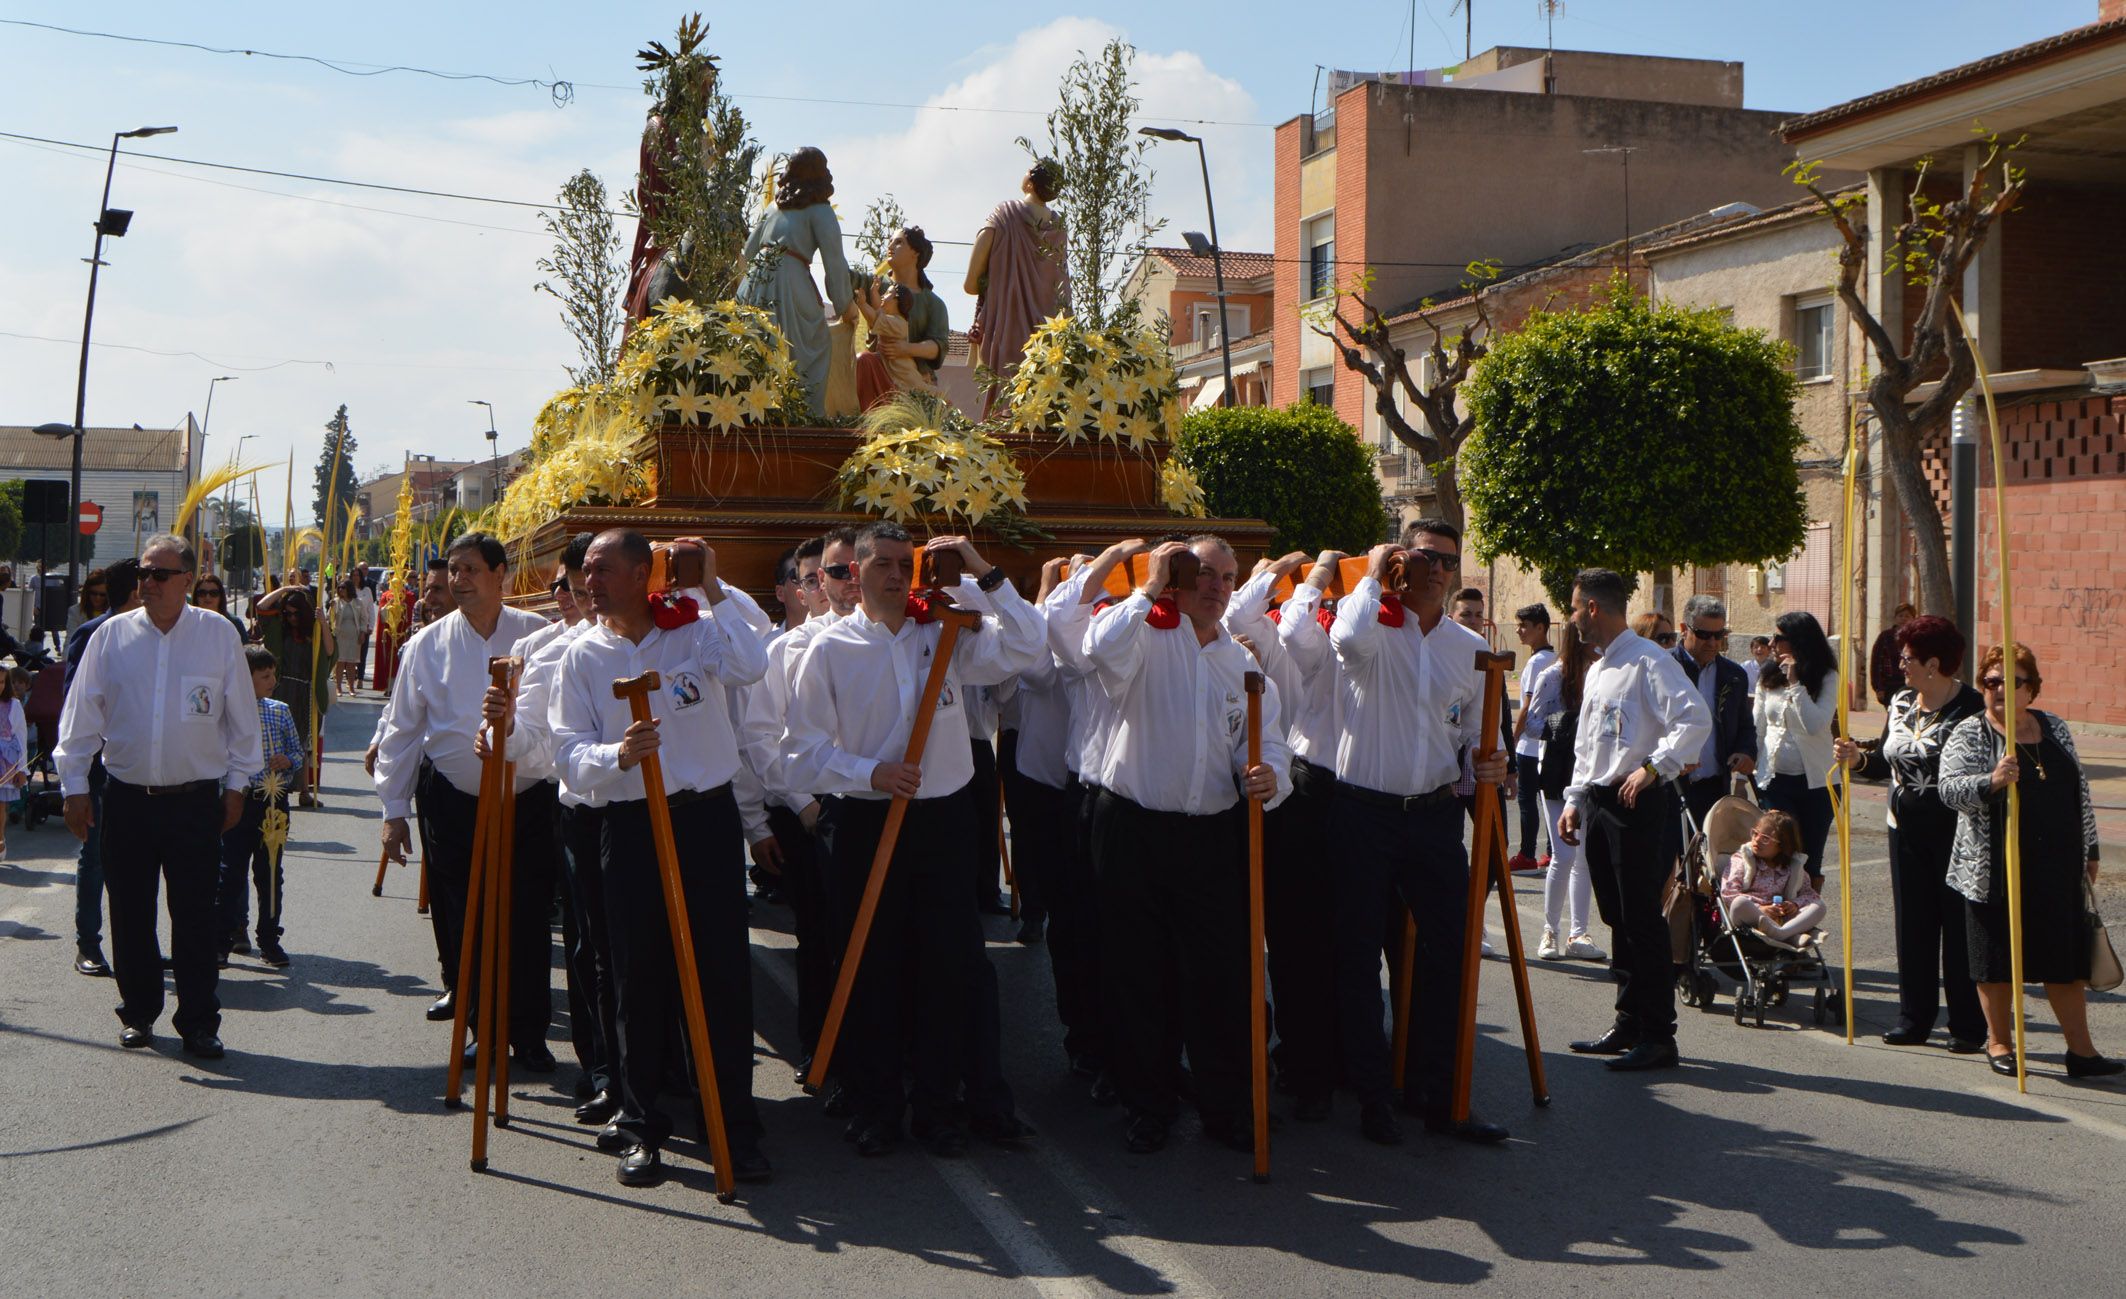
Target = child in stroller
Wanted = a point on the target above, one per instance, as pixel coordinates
(1767, 887)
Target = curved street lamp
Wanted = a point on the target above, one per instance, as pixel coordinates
(1225, 336)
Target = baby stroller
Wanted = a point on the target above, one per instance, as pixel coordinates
(1766, 968)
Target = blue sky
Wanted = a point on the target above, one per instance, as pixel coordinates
(422, 305)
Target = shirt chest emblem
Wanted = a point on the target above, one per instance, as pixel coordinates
(686, 689)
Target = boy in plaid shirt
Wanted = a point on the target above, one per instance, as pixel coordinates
(244, 845)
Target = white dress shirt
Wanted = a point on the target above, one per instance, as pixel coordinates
(1092, 713)
(1180, 741)
(767, 712)
(165, 708)
(531, 738)
(1413, 699)
(1530, 744)
(365, 599)
(1316, 707)
(436, 702)
(1637, 706)
(697, 747)
(1248, 614)
(1042, 703)
(853, 700)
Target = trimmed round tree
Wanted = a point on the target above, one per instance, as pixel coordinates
(1636, 437)
(1301, 470)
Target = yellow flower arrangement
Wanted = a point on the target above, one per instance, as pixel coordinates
(1112, 385)
(719, 365)
(557, 420)
(598, 464)
(930, 473)
(1180, 492)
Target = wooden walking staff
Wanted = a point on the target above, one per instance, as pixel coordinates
(420, 905)
(1488, 870)
(636, 690)
(951, 621)
(2012, 845)
(1840, 778)
(475, 893)
(500, 874)
(491, 1051)
(1258, 1026)
(376, 890)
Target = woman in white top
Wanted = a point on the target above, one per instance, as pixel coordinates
(1554, 718)
(1795, 727)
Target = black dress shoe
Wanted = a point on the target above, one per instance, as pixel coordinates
(1237, 1133)
(640, 1166)
(599, 1109)
(1313, 1107)
(1377, 1122)
(1472, 1130)
(204, 1046)
(1616, 1041)
(1084, 1066)
(273, 955)
(835, 1103)
(132, 1037)
(534, 1056)
(1906, 1035)
(612, 1140)
(1103, 1091)
(2003, 1064)
(443, 1007)
(945, 1140)
(1032, 932)
(750, 1166)
(1005, 1131)
(2092, 1066)
(1645, 1056)
(873, 1139)
(1965, 1045)
(1147, 1134)
(239, 944)
(89, 961)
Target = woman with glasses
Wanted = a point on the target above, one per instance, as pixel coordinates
(1655, 627)
(1929, 917)
(209, 594)
(2058, 843)
(1794, 732)
(94, 601)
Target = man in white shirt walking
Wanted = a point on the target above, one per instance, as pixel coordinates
(1168, 839)
(164, 693)
(435, 714)
(1413, 702)
(852, 708)
(599, 750)
(1641, 723)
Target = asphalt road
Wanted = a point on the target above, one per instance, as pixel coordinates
(316, 1158)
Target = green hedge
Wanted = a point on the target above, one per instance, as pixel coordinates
(1301, 470)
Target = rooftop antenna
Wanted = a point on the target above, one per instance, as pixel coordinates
(1550, 43)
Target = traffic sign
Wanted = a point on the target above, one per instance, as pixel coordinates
(91, 518)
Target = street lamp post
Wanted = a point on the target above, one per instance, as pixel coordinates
(1225, 337)
(228, 506)
(112, 222)
(494, 448)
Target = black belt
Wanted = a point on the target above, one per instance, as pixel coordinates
(682, 797)
(1399, 802)
(162, 791)
(1319, 771)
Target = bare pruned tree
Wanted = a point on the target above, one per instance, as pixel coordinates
(1932, 246)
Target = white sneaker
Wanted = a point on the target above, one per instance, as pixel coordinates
(1487, 947)
(1579, 949)
(1548, 949)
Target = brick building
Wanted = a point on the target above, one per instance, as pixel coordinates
(1182, 287)
(2051, 322)
(1415, 181)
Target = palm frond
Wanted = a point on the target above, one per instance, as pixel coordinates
(203, 490)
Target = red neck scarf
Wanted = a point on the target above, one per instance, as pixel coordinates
(1165, 614)
(1391, 611)
(669, 610)
(920, 610)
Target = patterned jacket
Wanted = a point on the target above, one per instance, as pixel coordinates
(1967, 763)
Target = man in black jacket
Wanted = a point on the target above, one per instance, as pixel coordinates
(1732, 748)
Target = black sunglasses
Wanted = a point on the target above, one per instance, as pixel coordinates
(1436, 558)
(148, 574)
(839, 572)
(1665, 639)
(1702, 634)
(1995, 683)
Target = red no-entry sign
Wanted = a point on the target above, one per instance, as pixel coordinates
(90, 518)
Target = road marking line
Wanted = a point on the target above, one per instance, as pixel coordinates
(1006, 1224)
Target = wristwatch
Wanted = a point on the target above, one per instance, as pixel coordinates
(992, 579)
(1651, 770)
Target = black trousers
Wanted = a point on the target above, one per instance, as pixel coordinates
(446, 955)
(1791, 794)
(1527, 774)
(1056, 885)
(1174, 929)
(1026, 870)
(149, 839)
(1299, 924)
(916, 994)
(1700, 795)
(988, 814)
(804, 887)
(1933, 957)
(1413, 856)
(451, 818)
(1629, 861)
(247, 863)
(712, 874)
(586, 945)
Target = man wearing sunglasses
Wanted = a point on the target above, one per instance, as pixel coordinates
(1731, 749)
(164, 695)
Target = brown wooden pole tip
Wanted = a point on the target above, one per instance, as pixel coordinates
(1252, 682)
(641, 685)
(1486, 661)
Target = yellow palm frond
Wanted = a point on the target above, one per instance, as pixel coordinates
(207, 486)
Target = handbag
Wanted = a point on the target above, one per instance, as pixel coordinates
(2104, 970)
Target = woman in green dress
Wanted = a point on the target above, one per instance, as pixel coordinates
(779, 256)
